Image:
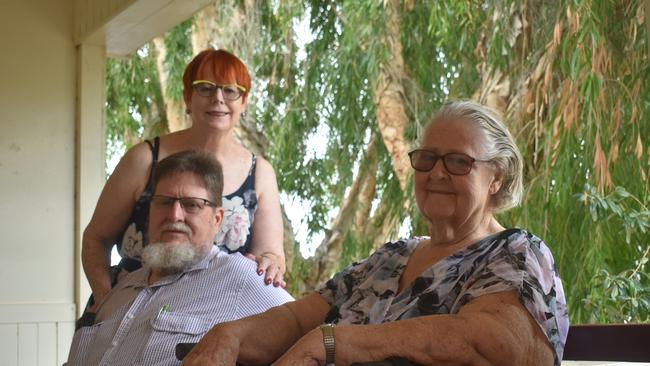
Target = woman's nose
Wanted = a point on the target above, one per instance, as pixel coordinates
(218, 96)
(438, 169)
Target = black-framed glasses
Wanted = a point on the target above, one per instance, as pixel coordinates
(209, 89)
(190, 205)
(455, 163)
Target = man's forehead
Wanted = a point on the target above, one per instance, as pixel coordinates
(180, 181)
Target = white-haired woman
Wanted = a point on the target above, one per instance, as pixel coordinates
(472, 292)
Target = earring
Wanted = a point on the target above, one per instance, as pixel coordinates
(188, 111)
(243, 114)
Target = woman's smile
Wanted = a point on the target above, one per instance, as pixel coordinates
(217, 113)
(440, 191)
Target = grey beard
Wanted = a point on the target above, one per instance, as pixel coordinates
(172, 258)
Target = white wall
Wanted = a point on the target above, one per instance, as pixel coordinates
(37, 181)
(52, 155)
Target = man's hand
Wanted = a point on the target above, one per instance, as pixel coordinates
(216, 348)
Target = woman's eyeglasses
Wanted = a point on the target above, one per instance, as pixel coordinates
(190, 205)
(455, 163)
(209, 89)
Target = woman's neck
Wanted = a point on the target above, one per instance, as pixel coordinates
(221, 143)
(445, 233)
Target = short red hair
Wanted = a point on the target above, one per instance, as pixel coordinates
(227, 69)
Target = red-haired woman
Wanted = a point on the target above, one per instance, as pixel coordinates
(216, 88)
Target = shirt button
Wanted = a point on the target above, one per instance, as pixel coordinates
(114, 343)
(129, 316)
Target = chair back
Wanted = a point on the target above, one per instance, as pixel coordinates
(608, 342)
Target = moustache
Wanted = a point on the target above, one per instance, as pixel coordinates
(178, 226)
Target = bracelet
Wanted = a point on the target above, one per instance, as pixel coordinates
(328, 342)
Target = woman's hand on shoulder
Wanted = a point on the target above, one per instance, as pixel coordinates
(271, 266)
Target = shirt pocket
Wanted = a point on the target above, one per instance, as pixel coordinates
(175, 322)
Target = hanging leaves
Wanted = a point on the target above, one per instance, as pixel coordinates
(571, 77)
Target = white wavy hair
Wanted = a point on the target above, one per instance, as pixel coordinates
(499, 146)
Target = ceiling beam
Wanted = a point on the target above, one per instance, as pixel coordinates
(122, 26)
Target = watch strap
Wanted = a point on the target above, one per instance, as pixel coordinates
(328, 342)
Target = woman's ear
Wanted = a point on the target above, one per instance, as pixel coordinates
(496, 183)
(188, 101)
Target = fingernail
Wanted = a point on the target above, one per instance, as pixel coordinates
(259, 272)
(268, 281)
(276, 284)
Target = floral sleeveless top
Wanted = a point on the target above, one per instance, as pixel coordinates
(235, 234)
(239, 208)
(365, 292)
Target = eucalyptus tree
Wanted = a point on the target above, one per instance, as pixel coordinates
(571, 77)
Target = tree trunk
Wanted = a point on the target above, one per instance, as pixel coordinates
(174, 109)
(382, 226)
(201, 28)
(358, 201)
(390, 98)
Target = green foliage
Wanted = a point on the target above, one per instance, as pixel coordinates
(314, 98)
(616, 205)
(134, 100)
(577, 73)
(179, 41)
(587, 184)
(619, 298)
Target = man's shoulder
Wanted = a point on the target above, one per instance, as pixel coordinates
(231, 270)
(232, 262)
(240, 274)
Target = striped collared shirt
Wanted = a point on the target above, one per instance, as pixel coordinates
(140, 324)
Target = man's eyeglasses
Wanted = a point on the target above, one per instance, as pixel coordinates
(455, 163)
(190, 205)
(208, 89)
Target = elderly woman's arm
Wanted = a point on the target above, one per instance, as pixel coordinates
(491, 330)
(259, 339)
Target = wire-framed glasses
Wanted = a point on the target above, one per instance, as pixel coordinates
(209, 89)
(455, 163)
(190, 205)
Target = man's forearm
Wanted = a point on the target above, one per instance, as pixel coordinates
(278, 329)
(265, 337)
(260, 339)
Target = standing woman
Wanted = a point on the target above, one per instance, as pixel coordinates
(216, 86)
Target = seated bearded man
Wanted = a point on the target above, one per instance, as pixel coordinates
(186, 286)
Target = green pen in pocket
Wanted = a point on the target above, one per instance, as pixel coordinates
(163, 309)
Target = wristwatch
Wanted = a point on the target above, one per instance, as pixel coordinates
(328, 342)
